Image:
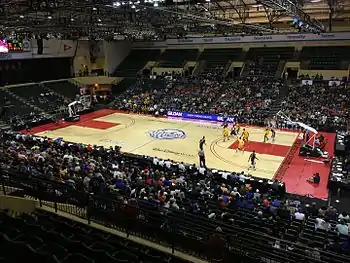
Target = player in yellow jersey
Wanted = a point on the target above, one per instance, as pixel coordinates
(266, 134)
(245, 135)
(226, 133)
(240, 146)
(237, 128)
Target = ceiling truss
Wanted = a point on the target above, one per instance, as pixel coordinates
(142, 19)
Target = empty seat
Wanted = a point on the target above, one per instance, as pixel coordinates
(326, 57)
(135, 61)
(175, 58)
(216, 59)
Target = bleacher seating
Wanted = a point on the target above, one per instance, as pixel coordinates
(65, 88)
(218, 58)
(212, 216)
(16, 108)
(47, 238)
(39, 96)
(247, 231)
(175, 58)
(123, 85)
(135, 61)
(266, 60)
(325, 57)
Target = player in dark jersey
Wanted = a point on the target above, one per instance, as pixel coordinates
(252, 159)
(202, 143)
(273, 135)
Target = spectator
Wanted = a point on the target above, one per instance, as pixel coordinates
(342, 228)
(322, 224)
(299, 216)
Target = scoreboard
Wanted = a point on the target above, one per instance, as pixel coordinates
(14, 45)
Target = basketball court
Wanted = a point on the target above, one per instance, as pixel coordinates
(174, 139)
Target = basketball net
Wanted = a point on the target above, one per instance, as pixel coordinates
(307, 128)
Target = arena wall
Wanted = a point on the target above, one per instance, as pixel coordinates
(115, 52)
(91, 54)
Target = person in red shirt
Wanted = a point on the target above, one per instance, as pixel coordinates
(89, 148)
(266, 203)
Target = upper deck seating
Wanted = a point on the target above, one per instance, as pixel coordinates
(265, 60)
(216, 59)
(135, 61)
(326, 57)
(175, 58)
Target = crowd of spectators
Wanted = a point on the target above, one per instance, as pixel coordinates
(250, 99)
(208, 93)
(162, 184)
(182, 94)
(319, 104)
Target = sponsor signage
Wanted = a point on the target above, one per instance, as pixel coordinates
(334, 83)
(199, 116)
(304, 37)
(168, 134)
(262, 39)
(307, 82)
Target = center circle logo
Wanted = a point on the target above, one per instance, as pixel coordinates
(168, 134)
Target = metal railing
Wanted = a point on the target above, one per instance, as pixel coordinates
(173, 228)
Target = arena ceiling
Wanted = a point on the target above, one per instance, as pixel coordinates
(150, 19)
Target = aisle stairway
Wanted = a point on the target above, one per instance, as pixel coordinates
(276, 105)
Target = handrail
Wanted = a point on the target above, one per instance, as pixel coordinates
(40, 188)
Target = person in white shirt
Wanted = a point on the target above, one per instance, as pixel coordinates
(182, 167)
(161, 163)
(299, 216)
(257, 194)
(155, 161)
(322, 224)
(168, 164)
(201, 170)
(235, 192)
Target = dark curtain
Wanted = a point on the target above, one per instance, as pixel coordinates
(34, 70)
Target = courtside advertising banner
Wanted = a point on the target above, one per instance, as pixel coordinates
(199, 116)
